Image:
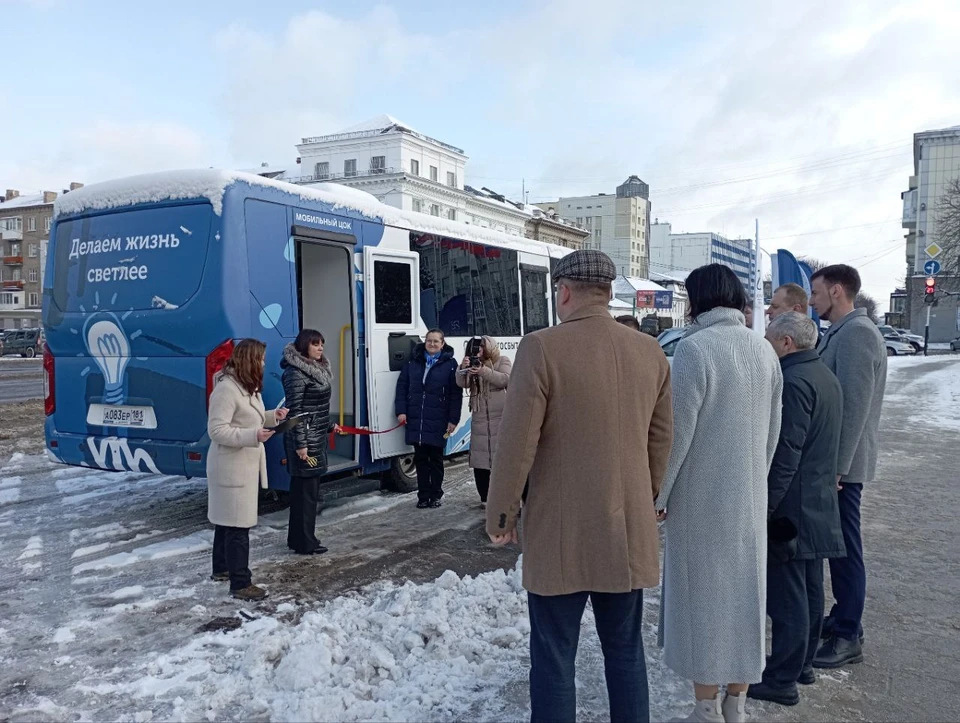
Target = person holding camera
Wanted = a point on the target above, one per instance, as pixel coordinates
(486, 374)
(237, 463)
(429, 404)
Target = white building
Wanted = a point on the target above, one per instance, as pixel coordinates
(625, 290)
(619, 225)
(405, 169)
(683, 252)
(675, 282)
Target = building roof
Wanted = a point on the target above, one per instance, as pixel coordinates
(377, 123)
(619, 304)
(677, 276)
(624, 285)
(495, 198)
(35, 199)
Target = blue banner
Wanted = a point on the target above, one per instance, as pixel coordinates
(787, 270)
(663, 300)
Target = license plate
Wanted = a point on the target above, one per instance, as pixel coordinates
(108, 415)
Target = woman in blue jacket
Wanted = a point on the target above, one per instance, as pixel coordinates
(429, 403)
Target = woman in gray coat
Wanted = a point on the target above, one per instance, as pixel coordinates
(727, 388)
(486, 375)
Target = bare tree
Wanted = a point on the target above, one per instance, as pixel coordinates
(947, 215)
(865, 301)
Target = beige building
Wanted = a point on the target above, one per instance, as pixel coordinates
(617, 224)
(549, 227)
(24, 235)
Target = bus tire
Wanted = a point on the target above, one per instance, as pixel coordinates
(402, 475)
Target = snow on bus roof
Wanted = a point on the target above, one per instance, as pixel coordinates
(212, 183)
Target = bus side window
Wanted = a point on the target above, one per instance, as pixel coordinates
(393, 291)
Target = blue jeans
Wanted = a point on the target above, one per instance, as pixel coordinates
(554, 635)
(848, 575)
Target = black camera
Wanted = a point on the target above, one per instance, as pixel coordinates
(473, 352)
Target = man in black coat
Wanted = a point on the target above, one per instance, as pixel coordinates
(804, 516)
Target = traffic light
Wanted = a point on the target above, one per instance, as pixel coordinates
(929, 293)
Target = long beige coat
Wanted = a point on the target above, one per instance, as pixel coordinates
(485, 421)
(236, 462)
(589, 417)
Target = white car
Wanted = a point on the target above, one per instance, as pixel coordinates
(668, 340)
(899, 348)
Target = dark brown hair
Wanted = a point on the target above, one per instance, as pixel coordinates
(712, 286)
(246, 365)
(847, 276)
(307, 338)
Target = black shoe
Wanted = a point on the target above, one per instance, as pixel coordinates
(434, 504)
(837, 652)
(828, 628)
(783, 696)
(318, 550)
(423, 504)
(807, 677)
(220, 576)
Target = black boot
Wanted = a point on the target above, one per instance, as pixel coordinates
(837, 652)
(783, 696)
(827, 629)
(807, 676)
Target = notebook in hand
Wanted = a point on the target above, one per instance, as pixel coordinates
(289, 423)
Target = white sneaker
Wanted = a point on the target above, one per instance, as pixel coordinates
(706, 711)
(734, 708)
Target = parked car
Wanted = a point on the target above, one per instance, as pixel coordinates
(896, 347)
(912, 339)
(955, 344)
(668, 340)
(27, 343)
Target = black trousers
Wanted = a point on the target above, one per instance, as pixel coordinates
(795, 607)
(849, 574)
(231, 554)
(302, 530)
(482, 477)
(554, 636)
(429, 462)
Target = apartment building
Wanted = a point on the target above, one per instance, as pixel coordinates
(24, 232)
(683, 252)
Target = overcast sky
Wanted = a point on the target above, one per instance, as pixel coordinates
(800, 115)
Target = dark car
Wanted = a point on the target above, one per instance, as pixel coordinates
(955, 344)
(27, 343)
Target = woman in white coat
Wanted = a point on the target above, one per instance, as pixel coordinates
(237, 464)
(727, 386)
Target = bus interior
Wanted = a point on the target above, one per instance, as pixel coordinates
(325, 296)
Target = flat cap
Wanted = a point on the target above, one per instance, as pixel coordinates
(587, 265)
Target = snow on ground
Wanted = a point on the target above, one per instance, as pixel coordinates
(939, 389)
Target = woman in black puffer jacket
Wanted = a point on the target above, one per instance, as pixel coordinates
(429, 402)
(307, 382)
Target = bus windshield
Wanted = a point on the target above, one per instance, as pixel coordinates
(142, 259)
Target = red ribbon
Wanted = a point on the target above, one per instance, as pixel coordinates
(359, 431)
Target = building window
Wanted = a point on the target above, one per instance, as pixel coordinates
(350, 168)
(32, 223)
(24, 323)
(11, 224)
(451, 179)
(434, 209)
(321, 171)
(7, 299)
(467, 288)
(34, 299)
(46, 223)
(434, 174)
(414, 167)
(418, 205)
(33, 248)
(378, 164)
(34, 276)
(452, 214)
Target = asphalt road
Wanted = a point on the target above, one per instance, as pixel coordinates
(20, 379)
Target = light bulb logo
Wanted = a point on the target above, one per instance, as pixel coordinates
(110, 349)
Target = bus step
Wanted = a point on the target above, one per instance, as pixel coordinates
(349, 487)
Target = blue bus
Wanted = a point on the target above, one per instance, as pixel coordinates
(150, 281)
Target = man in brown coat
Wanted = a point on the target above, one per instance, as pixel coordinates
(589, 418)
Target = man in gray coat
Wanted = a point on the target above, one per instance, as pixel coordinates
(804, 519)
(854, 350)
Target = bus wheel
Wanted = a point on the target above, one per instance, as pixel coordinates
(402, 475)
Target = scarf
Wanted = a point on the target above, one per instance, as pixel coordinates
(431, 359)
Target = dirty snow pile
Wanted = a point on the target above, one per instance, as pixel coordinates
(435, 651)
